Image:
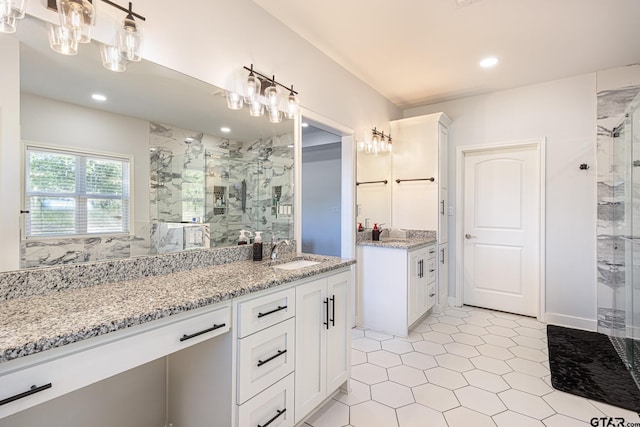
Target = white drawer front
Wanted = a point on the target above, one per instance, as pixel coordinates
(430, 268)
(274, 405)
(431, 252)
(260, 313)
(431, 295)
(264, 358)
(197, 329)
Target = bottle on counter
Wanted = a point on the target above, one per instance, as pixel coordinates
(360, 227)
(375, 233)
(257, 246)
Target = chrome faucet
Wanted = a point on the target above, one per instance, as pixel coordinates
(274, 247)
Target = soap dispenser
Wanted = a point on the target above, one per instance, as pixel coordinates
(257, 246)
(243, 239)
(375, 233)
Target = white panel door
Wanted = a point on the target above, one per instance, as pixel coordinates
(311, 344)
(339, 332)
(501, 229)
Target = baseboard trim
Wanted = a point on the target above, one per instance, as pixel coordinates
(453, 302)
(571, 321)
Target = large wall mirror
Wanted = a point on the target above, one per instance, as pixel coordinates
(199, 172)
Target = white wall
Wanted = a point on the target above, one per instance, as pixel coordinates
(321, 199)
(563, 112)
(51, 122)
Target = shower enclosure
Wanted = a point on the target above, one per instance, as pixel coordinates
(626, 247)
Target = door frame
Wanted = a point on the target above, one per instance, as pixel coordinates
(461, 152)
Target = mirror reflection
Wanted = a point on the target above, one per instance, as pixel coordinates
(373, 194)
(198, 172)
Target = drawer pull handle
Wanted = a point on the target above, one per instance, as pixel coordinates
(213, 328)
(278, 354)
(275, 417)
(333, 310)
(29, 392)
(283, 307)
(326, 306)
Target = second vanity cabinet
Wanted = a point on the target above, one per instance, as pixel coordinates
(397, 286)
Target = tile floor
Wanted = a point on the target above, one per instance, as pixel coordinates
(463, 367)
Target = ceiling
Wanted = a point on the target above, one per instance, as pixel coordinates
(417, 52)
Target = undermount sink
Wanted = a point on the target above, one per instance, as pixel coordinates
(294, 265)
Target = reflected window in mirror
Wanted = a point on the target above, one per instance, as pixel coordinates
(72, 193)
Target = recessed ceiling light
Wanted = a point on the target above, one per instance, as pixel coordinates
(305, 124)
(98, 97)
(225, 129)
(489, 62)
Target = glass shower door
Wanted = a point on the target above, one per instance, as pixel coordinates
(632, 282)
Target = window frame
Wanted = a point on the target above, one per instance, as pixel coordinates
(79, 194)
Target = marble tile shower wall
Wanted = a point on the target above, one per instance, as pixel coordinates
(611, 257)
(262, 164)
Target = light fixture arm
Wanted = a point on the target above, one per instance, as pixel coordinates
(51, 4)
(272, 79)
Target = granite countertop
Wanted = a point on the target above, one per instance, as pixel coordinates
(399, 243)
(32, 324)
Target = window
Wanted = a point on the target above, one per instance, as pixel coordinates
(70, 193)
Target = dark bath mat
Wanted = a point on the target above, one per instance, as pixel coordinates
(586, 364)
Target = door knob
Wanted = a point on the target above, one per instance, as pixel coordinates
(469, 236)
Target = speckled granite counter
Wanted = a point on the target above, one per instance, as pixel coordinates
(414, 239)
(35, 323)
(399, 243)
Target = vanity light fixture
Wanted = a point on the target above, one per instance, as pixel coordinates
(77, 17)
(270, 97)
(130, 36)
(292, 105)
(10, 12)
(377, 144)
(252, 90)
(61, 40)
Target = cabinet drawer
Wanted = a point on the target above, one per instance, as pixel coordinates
(264, 358)
(274, 406)
(431, 295)
(430, 268)
(431, 252)
(260, 313)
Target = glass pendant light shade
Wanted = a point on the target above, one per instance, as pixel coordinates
(361, 146)
(111, 58)
(256, 108)
(62, 40)
(252, 90)
(272, 95)
(130, 39)
(10, 12)
(234, 100)
(292, 105)
(275, 115)
(77, 16)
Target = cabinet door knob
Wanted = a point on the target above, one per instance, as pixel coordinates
(469, 236)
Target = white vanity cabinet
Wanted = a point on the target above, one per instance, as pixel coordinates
(397, 286)
(29, 381)
(292, 345)
(323, 340)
